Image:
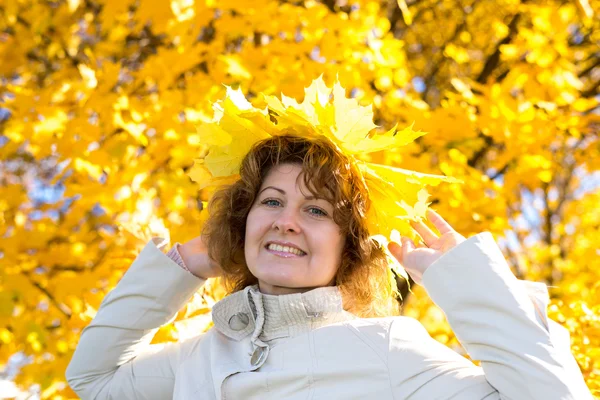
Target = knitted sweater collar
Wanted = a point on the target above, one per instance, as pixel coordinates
(267, 317)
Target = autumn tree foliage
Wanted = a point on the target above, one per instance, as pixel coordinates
(100, 103)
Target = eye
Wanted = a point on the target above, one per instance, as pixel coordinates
(317, 212)
(271, 202)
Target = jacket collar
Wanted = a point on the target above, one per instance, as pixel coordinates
(267, 317)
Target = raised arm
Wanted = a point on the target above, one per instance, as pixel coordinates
(114, 358)
(498, 319)
(502, 322)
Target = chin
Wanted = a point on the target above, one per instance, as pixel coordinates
(274, 273)
(285, 277)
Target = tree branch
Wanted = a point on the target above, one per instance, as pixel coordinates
(479, 154)
(61, 307)
(501, 171)
(589, 68)
(494, 59)
(591, 91)
(440, 61)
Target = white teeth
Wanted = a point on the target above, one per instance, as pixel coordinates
(285, 249)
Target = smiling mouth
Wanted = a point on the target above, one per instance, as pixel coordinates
(284, 251)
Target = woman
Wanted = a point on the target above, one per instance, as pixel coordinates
(290, 239)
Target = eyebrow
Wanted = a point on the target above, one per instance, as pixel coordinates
(283, 192)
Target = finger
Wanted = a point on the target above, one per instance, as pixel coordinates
(407, 246)
(428, 236)
(396, 250)
(440, 223)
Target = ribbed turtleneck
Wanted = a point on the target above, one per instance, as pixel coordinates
(278, 316)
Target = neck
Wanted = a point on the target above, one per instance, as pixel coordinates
(266, 288)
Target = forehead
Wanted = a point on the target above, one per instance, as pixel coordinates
(283, 171)
(290, 178)
(284, 176)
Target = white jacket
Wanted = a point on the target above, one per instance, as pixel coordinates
(305, 346)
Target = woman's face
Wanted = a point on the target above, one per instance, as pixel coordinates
(292, 243)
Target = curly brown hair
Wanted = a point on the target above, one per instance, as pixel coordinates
(364, 277)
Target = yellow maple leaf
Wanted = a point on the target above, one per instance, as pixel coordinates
(398, 195)
(235, 119)
(353, 122)
(420, 208)
(200, 174)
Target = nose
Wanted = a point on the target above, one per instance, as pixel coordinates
(286, 221)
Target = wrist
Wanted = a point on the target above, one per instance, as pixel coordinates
(189, 257)
(175, 255)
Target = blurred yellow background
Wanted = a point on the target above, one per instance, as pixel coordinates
(99, 102)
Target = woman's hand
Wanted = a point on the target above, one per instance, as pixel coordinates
(195, 256)
(416, 259)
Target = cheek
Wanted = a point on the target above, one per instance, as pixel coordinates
(330, 242)
(340, 247)
(332, 248)
(250, 238)
(255, 228)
